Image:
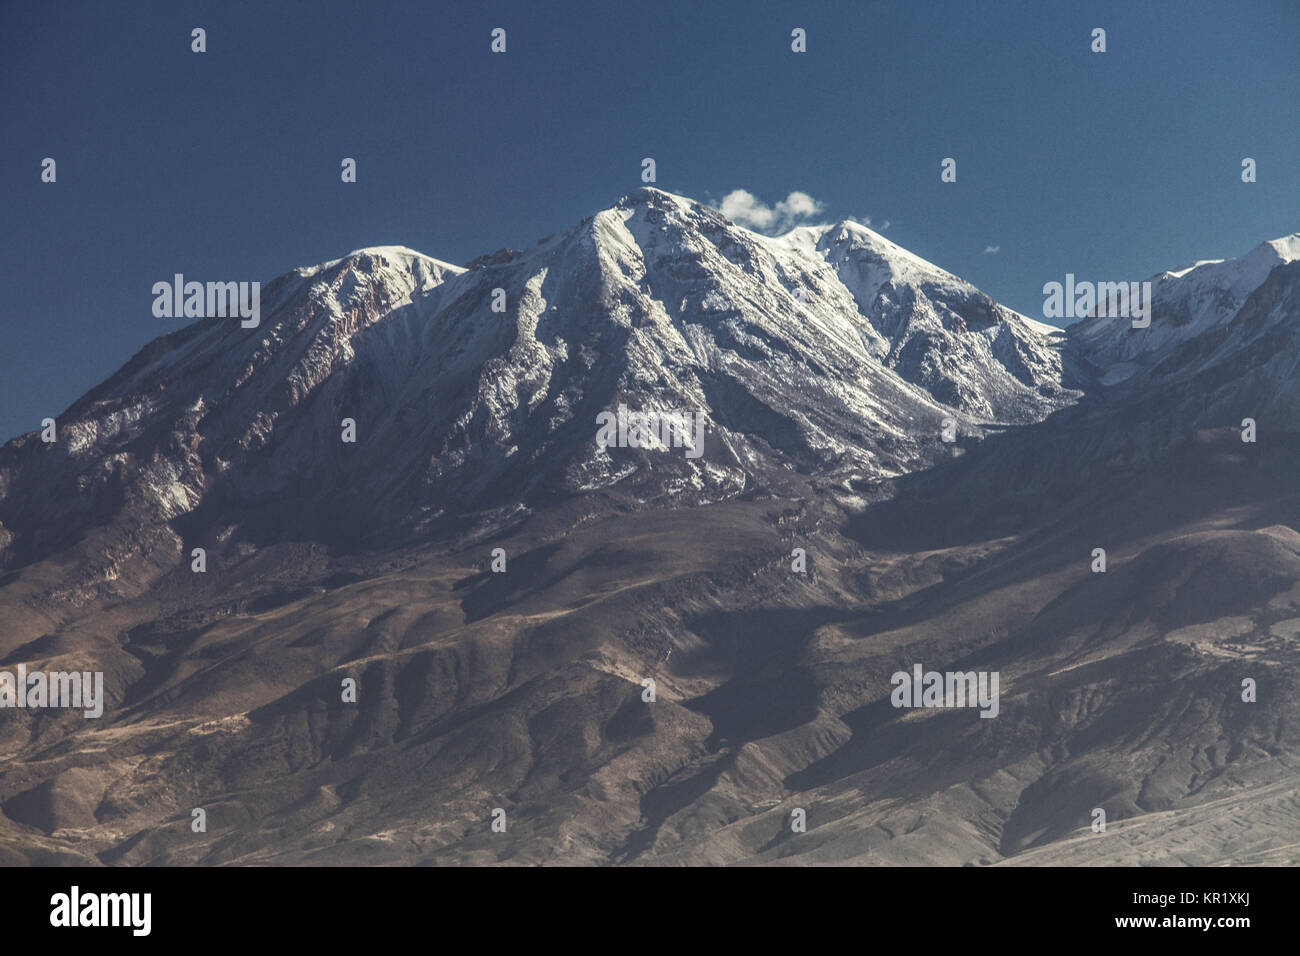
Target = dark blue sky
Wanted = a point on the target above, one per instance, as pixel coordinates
(225, 165)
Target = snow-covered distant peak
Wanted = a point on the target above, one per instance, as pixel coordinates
(1286, 249)
(398, 256)
(830, 242)
(1243, 274)
(1188, 302)
(400, 271)
(659, 198)
(907, 264)
(401, 254)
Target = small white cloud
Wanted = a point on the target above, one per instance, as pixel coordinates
(743, 207)
(992, 250)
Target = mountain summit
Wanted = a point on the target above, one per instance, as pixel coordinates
(361, 650)
(825, 355)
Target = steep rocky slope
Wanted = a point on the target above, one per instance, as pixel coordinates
(824, 362)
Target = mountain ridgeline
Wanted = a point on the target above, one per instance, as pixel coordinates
(896, 472)
(828, 355)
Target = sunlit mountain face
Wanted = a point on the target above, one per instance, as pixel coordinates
(630, 536)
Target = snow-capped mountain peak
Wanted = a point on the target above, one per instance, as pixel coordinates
(826, 355)
(1188, 304)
